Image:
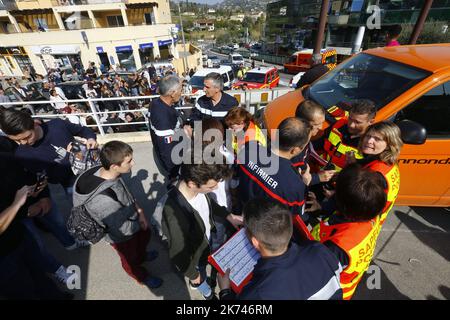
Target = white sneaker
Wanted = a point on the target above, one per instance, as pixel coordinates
(62, 275)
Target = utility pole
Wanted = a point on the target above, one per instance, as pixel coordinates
(185, 64)
(420, 21)
(321, 28)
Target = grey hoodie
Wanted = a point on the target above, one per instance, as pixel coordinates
(113, 209)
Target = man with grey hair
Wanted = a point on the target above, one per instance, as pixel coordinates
(215, 103)
(164, 121)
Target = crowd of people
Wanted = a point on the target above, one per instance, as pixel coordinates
(312, 203)
(94, 82)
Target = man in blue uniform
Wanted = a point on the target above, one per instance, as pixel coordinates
(285, 270)
(270, 174)
(165, 123)
(215, 103)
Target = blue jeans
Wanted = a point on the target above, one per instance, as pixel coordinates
(54, 221)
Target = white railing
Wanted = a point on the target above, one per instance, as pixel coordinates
(251, 99)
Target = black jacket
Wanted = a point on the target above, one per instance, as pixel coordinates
(185, 230)
(304, 272)
(13, 177)
(205, 109)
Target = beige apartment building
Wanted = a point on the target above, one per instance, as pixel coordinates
(59, 33)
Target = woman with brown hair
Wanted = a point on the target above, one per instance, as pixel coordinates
(381, 145)
(243, 127)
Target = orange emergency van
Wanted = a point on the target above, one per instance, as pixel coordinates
(406, 83)
(259, 78)
(300, 61)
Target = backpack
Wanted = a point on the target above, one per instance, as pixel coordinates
(82, 226)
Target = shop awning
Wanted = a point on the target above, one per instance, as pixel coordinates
(164, 42)
(146, 45)
(124, 48)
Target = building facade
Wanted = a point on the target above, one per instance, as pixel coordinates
(63, 33)
(346, 16)
(292, 24)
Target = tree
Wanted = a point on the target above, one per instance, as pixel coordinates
(247, 22)
(432, 32)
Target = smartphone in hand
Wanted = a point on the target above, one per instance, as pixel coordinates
(41, 178)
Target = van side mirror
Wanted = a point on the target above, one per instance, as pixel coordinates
(412, 132)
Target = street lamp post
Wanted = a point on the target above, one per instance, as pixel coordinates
(184, 42)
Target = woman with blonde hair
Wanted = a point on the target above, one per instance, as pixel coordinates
(381, 145)
(243, 127)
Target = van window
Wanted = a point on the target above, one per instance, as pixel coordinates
(432, 110)
(365, 76)
(224, 77)
(231, 75)
(331, 59)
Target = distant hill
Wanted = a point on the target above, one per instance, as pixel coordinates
(247, 5)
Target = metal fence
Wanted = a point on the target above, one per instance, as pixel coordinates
(252, 100)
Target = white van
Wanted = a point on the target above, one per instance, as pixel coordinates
(237, 59)
(197, 79)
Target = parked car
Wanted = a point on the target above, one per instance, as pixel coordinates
(198, 78)
(15, 96)
(295, 79)
(73, 89)
(236, 58)
(259, 78)
(215, 61)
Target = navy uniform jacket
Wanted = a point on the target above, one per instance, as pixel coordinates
(204, 107)
(164, 122)
(49, 153)
(301, 161)
(255, 180)
(304, 272)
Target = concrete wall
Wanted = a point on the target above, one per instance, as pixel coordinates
(193, 60)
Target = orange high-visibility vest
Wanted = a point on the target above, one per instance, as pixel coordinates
(358, 240)
(335, 149)
(253, 132)
(392, 175)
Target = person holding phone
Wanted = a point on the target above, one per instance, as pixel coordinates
(42, 146)
(23, 266)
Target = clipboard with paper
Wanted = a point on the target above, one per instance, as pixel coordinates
(238, 255)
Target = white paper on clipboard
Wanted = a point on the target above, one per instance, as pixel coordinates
(238, 255)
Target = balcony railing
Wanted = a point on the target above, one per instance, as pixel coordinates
(83, 2)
